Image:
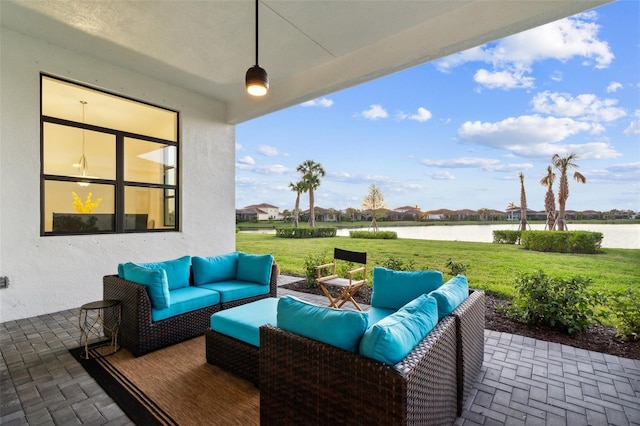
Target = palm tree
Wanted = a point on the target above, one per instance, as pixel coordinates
(311, 174)
(549, 198)
(298, 188)
(523, 204)
(563, 164)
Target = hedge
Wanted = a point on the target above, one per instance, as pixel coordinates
(562, 241)
(305, 232)
(380, 235)
(503, 236)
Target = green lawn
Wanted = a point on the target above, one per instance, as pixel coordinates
(491, 267)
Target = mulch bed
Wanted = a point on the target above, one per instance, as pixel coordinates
(597, 338)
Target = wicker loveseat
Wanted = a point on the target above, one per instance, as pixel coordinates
(141, 333)
(305, 381)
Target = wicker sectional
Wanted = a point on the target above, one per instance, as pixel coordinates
(141, 335)
(304, 381)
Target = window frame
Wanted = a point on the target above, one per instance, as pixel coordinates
(119, 184)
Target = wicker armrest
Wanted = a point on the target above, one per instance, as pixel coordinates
(304, 381)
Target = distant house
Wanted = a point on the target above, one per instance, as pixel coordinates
(323, 215)
(440, 214)
(405, 213)
(258, 212)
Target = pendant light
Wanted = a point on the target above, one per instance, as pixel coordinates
(257, 80)
(82, 162)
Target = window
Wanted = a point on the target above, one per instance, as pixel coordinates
(109, 164)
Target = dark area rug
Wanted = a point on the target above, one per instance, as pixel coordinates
(597, 338)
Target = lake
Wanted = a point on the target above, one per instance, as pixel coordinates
(625, 236)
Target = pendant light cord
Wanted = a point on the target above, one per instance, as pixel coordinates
(257, 32)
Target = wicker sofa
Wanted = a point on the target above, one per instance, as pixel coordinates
(141, 334)
(305, 381)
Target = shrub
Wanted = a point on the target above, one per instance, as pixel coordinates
(305, 232)
(311, 260)
(562, 241)
(626, 312)
(379, 235)
(503, 236)
(456, 268)
(561, 303)
(398, 264)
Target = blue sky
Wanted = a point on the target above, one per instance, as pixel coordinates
(455, 133)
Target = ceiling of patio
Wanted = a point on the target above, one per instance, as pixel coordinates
(309, 47)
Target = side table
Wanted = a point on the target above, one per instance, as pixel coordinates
(100, 319)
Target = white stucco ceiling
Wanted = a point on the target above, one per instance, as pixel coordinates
(308, 47)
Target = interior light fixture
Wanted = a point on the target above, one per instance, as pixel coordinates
(82, 162)
(256, 79)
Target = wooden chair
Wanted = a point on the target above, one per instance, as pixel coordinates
(348, 286)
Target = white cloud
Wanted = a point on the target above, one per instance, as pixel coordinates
(239, 147)
(247, 159)
(614, 86)
(268, 151)
(422, 115)
(374, 112)
(634, 126)
(533, 136)
(271, 169)
(318, 102)
(556, 76)
(512, 57)
(488, 164)
(583, 107)
(443, 175)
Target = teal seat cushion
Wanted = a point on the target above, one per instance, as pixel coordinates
(243, 322)
(392, 338)
(186, 299)
(154, 279)
(255, 268)
(236, 290)
(215, 268)
(335, 327)
(178, 271)
(376, 314)
(451, 295)
(393, 289)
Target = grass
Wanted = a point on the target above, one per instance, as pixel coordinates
(491, 267)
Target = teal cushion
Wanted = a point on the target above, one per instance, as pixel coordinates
(213, 269)
(154, 279)
(178, 271)
(376, 314)
(451, 295)
(392, 338)
(393, 289)
(255, 268)
(243, 322)
(236, 290)
(186, 299)
(335, 327)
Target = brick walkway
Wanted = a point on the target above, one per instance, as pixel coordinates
(523, 381)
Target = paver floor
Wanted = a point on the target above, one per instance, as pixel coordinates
(523, 381)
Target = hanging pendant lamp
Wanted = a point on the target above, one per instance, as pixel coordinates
(257, 80)
(82, 162)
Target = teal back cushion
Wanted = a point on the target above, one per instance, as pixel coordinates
(207, 270)
(392, 338)
(341, 328)
(178, 271)
(451, 294)
(154, 279)
(393, 289)
(254, 268)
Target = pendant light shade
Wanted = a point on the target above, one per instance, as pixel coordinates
(256, 79)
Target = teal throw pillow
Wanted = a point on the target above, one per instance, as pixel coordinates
(154, 279)
(254, 268)
(341, 328)
(451, 295)
(392, 338)
(393, 289)
(178, 271)
(207, 270)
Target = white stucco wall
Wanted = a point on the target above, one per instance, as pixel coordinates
(49, 274)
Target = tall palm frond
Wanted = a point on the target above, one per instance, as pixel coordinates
(549, 198)
(298, 188)
(523, 204)
(563, 164)
(311, 174)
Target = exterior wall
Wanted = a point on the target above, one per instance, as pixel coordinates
(49, 274)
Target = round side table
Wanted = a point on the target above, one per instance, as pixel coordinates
(99, 320)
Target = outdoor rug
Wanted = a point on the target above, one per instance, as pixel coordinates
(175, 386)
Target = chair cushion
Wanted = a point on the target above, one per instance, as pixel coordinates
(186, 299)
(215, 268)
(178, 271)
(451, 295)
(243, 322)
(154, 279)
(394, 289)
(236, 290)
(255, 268)
(392, 338)
(334, 327)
